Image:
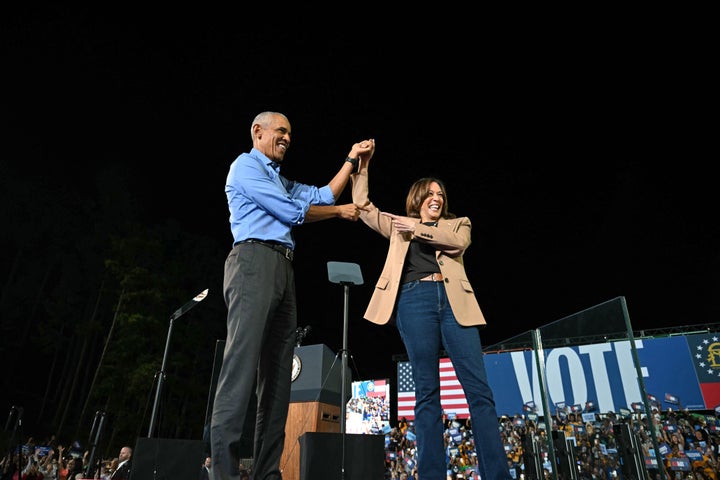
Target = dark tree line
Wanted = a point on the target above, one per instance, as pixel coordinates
(88, 288)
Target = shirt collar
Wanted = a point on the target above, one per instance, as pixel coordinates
(264, 159)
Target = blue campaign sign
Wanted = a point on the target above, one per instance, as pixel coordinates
(694, 455)
(684, 369)
(680, 464)
(602, 373)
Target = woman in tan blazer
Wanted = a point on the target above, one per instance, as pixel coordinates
(423, 285)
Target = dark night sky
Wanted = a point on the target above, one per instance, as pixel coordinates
(579, 160)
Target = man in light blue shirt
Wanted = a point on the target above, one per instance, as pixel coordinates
(259, 290)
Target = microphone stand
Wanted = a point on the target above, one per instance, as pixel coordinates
(344, 362)
(345, 274)
(161, 374)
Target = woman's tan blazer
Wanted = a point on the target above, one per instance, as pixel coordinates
(450, 238)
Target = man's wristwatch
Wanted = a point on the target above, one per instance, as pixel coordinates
(353, 161)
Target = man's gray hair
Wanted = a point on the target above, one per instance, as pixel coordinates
(263, 119)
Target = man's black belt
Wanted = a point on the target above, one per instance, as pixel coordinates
(285, 251)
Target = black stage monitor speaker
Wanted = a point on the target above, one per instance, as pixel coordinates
(321, 456)
(166, 459)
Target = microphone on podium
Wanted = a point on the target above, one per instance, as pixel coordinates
(301, 333)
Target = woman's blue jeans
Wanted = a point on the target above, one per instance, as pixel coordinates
(427, 325)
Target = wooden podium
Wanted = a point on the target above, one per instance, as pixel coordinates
(305, 417)
(314, 403)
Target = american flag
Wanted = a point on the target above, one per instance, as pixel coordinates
(452, 396)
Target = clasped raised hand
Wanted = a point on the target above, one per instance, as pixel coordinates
(363, 150)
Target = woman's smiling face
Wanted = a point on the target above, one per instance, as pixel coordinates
(432, 205)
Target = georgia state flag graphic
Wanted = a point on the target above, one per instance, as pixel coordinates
(705, 350)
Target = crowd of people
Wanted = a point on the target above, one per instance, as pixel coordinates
(51, 460)
(689, 447)
(688, 443)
